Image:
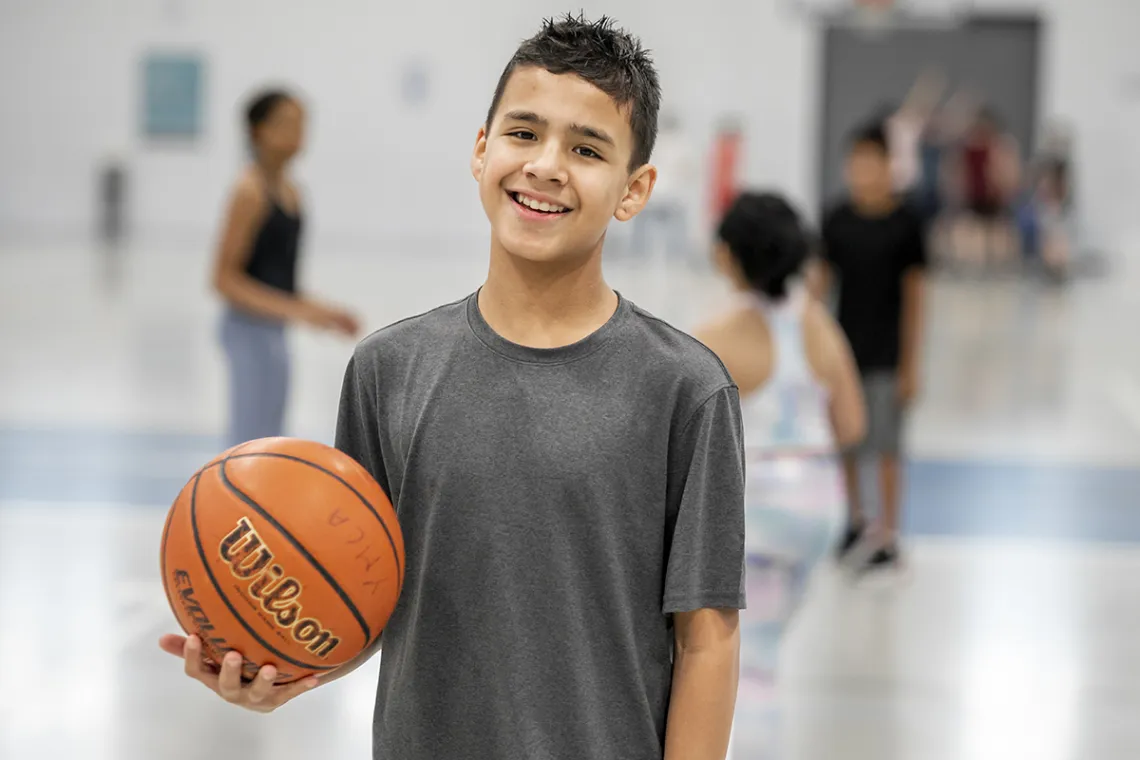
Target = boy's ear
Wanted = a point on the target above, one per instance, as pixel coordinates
(479, 153)
(637, 193)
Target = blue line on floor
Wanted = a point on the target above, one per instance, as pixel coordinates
(943, 497)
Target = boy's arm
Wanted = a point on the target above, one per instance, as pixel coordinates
(358, 435)
(706, 669)
(913, 296)
(911, 325)
(704, 578)
(359, 414)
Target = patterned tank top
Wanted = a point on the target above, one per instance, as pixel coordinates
(789, 414)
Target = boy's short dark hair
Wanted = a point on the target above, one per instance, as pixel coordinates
(609, 58)
(873, 136)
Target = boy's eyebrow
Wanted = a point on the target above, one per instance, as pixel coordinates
(591, 133)
(530, 117)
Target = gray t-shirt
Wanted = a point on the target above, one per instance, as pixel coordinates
(557, 506)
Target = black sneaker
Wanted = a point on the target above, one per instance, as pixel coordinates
(883, 558)
(851, 538)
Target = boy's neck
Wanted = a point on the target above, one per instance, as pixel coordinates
(876, 205)
(544, 305)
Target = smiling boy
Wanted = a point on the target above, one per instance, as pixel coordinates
(567, 469)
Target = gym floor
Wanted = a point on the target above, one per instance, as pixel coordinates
(1013, 634)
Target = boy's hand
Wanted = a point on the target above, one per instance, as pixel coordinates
(260, 695)
(907, 384)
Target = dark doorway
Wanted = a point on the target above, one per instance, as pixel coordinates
(995, 57)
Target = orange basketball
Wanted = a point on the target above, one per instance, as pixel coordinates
(285, 550)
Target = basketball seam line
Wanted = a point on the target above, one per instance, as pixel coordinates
(170, 519)
(165, 538)
(344, 597)
(342, 481)
(225, 599)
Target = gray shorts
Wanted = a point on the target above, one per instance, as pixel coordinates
(884, 414)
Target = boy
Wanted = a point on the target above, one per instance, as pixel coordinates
(568, 470)
(875, 244)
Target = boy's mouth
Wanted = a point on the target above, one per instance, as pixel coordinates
(539, 207)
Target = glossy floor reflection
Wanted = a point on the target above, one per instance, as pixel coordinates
(1012, 635)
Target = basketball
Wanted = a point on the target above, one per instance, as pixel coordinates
(286, 551)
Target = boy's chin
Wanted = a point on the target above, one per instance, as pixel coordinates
(538, 251)
(537, 254)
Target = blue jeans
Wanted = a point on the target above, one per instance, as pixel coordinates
(257, 352)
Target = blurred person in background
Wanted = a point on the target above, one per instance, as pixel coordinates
(935, 194)
(989, 174)
(874, 249)
(905, 127)
(725, 166)
(801, 402)
(255, 272)
(1046, 218)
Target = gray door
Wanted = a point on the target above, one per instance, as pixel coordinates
(994, 57)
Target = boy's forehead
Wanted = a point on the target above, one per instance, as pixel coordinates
(868, 150)
(562, 100)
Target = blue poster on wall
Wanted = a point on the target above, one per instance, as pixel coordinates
(172, 95)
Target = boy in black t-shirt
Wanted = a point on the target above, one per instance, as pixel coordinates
(874, 246)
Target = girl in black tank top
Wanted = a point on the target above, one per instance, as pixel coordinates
(274, 257)
(255, 273)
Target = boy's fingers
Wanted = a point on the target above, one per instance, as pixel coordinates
(192, 654)
(261, 692)
(229, 679)
(172, 644)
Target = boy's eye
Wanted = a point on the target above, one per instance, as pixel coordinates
(521, 134)
(587, 152)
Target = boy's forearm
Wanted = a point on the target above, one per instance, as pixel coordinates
(702, 702)
(912, 320)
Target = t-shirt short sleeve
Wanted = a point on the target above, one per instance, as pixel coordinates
(357, 420)
(914, 250)
(705, 564)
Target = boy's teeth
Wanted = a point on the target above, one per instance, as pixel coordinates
(537, 205)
